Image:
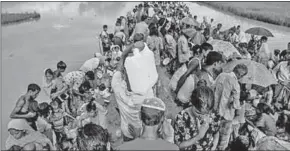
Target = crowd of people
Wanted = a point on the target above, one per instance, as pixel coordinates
(219, 112)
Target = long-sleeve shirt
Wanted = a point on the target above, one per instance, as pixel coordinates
(183, 49)
(282, 71)
(227, 95)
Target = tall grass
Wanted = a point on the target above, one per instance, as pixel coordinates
(9, 18)
(277, 13)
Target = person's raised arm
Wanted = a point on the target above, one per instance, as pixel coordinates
(67, 115)
(194, 140)
(20, 103)
(192, 67)
(125, 53)
(133, 33)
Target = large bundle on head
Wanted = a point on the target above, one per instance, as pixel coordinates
(141, 69)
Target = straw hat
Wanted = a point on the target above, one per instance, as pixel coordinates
(154, 103)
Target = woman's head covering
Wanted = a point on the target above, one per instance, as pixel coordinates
(19, 124)
(31, 136)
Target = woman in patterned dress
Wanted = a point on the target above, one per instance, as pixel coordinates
(196, 128)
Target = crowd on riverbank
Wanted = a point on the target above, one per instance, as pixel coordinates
(234, 92)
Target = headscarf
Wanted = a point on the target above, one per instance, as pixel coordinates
(30, 137)
(44, 82)
(19, 124)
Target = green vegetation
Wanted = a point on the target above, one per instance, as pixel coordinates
(8, 18)
(277, 13)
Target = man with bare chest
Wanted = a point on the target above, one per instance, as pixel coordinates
(26, 106)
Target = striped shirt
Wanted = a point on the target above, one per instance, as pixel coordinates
(57, 120)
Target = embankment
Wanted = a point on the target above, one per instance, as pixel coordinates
(277, 13)
(11, 18)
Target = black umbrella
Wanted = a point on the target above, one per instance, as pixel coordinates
(259, 31)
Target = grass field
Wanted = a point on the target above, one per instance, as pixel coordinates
(8, 18)
(277, 13)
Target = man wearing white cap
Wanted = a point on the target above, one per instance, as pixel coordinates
(152, 116)
(93, 63)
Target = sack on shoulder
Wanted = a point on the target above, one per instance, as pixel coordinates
(176, 76)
